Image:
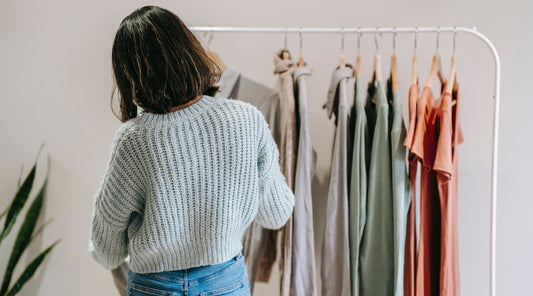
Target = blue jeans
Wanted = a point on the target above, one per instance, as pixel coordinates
(227, 278)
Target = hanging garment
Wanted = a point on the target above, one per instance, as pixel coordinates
(424, 147)
(445, 166)
(377, 245)
(358, 187)
(303, 277)
(259, 243)
(335, 269)
(401, 188)
(285, 69)
(410, 234)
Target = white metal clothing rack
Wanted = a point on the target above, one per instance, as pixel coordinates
(399, 30)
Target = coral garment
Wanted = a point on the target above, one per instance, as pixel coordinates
(424, 147)
(410, 234)
(445, 166)
(436, 135)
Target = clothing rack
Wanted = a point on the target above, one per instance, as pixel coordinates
(400, 30)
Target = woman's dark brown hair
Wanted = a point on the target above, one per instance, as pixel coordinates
(158, 63)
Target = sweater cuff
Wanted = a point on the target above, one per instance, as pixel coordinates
(276, 201)
(108, 245)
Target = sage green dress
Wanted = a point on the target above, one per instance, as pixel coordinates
(358, 187)
(401, 190)
(377, 244)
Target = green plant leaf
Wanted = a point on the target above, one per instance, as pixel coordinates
(30, 270)
(18, 203)
(18, 185)
(24, 236)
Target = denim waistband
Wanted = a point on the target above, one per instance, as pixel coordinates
(196, 274)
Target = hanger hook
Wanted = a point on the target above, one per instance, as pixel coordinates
(454, 35)
(394, 35)
(416, 38)
(342, 41)
(438, 37)
(210, 37)
(359, 40)
(376, 38)
(301, 39)
(285, 38)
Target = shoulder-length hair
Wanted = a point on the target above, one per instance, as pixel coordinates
(158, 63)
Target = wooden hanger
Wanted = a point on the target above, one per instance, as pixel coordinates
(436, 65)
(377, 67)
(358, 66)
(414, 73)
(450, 84)
(394, 74)
(440, 74)
(301, 62)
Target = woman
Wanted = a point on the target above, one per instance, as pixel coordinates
(187, 175)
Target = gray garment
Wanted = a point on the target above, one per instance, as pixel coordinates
(236, 86)
(303, 277)
(377, 246)
(401, 185)
(335, 269)
(359, 181)
(256, 240)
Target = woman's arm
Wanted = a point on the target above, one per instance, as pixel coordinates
(119, 195)
(276, 200)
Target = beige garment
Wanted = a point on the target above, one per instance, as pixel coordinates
(285, 70)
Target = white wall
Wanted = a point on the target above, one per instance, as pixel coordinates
(55, 82)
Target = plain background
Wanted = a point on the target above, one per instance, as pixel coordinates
(55, 86)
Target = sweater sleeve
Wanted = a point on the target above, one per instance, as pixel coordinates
(118, 197)
(276, 200)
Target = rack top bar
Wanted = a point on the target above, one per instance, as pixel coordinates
(334, 30)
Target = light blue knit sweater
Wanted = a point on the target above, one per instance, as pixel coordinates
(181, 188)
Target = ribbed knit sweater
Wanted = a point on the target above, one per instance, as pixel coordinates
(181, 188)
